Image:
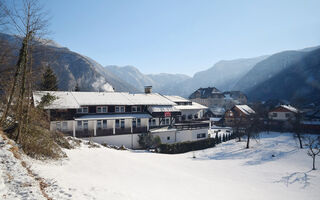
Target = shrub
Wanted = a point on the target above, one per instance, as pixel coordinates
(187, 146)
(147, 141)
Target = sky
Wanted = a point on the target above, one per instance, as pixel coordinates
(181, 36)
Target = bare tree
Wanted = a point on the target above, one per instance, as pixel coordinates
(29, 22)
(313, 149)
(253, 128)
(297, 128)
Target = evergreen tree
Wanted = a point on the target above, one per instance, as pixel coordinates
(77, 88)
(49, 81)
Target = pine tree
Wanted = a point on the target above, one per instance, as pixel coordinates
(77, 88)
(49, 81)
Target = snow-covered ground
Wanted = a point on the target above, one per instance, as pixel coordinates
(15, 180)
(228, 171)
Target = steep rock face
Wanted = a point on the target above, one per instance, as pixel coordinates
(71, 68)
(268, 68)
(159, 82)
(299, 82)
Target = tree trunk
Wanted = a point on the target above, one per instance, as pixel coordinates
(314, 162)
(15, 80)
(300, 140)
(248, 140)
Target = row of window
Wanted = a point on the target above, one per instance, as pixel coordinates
(287, 115)
(103, 124)
(104, 109)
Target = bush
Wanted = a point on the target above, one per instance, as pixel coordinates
(187, 146)
(147, 141)
(40, 143)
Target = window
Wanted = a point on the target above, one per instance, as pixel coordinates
(274, 114)
(167, 121)
(152, 122)
(136, 109)
(79, 124)
(122, 123)
(134, 123)
(287, 115)
(102, 109)
(99, 125)
(58, 126)
(82, 110)
(119, 123)
(201, 135)
(138, 122)
(168, 138)
(120, 109)
(64, 125)
(104, 124)
(85, 124)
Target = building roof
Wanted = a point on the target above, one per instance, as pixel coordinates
(176, 99)
(245, 109)
(206, 93)
(77, 99)
(194, 106)
(159, 108)
(290, 108)
(64, 99)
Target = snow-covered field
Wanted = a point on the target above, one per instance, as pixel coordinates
(227, 171)
(274, 168)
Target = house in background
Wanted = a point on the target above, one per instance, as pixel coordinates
(238, 114)
(283, 113)
(189, 110)
(213, 98)
(118, 118)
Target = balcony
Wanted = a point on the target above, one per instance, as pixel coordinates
(193, 125)
(104, 132)
(139, 130)
(120, 131)
(84, 133)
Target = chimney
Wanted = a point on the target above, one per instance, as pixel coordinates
(147, 89)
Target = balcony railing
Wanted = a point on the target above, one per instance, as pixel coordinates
(120, 131)
(84, 133)
(139, 130)
(194, 125)
(104, 132)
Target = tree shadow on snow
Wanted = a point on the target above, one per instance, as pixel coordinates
(302, 178)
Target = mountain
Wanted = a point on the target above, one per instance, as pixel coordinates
(159, 82)
(268, 68)
(70, 67)
(298, 81)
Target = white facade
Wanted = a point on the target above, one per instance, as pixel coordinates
(281, 116)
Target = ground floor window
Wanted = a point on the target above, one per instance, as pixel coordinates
(58, 126)
(64, 125)
(85, 124)
(201, 135)
(120, 123)
(152, 122)
(79, 124)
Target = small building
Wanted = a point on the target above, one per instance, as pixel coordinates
(283, 113)
(238, 114)
(189, 110)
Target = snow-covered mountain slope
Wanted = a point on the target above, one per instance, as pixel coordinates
(273, 168)
(160, 82)
(70, 67)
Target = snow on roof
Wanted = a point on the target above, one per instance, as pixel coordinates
(245, 109)
(153, 109)
(290, 108)
(149, 99)
(176, 99)
(77, 99)
(63, 100)
(117, 116)
(194, 106)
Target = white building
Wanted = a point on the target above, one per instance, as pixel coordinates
(115, 118)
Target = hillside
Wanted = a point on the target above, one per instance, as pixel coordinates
(71, 68)
(299, 82)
